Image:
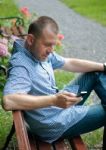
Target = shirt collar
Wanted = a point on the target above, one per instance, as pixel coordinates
(19, 45)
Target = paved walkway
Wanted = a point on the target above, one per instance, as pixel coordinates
(83, 38)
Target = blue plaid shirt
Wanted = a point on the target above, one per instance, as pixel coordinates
(28, 75)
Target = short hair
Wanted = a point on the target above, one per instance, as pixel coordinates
(37, 26)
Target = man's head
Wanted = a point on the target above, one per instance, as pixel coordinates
(42, 34)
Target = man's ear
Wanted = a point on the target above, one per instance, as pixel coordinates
(30, 39)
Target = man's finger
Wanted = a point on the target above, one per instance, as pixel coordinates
(69, 94)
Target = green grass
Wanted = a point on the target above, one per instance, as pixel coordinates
(8, 8)
(62, 78)
(5, 125)
(93, 139)
(93, 9)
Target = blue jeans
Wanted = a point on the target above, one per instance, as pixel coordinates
(96, 115)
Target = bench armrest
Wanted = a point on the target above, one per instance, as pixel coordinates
(21, 131)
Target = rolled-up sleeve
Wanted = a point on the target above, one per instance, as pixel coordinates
(18, 81)
(57, 60)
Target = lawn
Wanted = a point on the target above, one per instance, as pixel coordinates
(8, 8)
(93, 9)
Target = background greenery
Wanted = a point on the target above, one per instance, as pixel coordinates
(8, 8)
(95, 10)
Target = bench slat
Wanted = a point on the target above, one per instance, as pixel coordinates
(43, 145)
(60, 145)
(15, 31)
(8, 31)
(77, 144)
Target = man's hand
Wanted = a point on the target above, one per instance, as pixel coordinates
(66, 99)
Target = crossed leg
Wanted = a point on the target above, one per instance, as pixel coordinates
(96, 115)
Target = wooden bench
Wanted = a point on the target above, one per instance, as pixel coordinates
(27, 141)
(16, 29)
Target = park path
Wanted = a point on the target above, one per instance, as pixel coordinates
(83, 38)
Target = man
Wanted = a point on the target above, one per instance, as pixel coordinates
(30, 86)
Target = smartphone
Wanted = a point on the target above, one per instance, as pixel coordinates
(81, 94)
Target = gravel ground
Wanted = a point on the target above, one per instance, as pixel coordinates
(83, 38)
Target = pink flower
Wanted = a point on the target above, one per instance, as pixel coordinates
(25, 11)
(60, 36)
(3, 50)
(4, 47)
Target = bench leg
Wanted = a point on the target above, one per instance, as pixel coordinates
(8, 139)
(104, 139)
